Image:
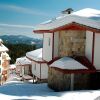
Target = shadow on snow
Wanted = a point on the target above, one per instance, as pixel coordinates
(27, 89)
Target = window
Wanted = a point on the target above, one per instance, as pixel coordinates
(34, 66)
(49, 41)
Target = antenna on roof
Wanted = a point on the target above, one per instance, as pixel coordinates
(67, 11)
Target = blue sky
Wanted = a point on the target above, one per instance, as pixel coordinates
(20, 16)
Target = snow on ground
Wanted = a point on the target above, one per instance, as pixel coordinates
(17, 90)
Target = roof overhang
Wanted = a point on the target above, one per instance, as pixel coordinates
(66, 71)
(70, 26)
(36, 61)
(81, 59)
(23, 65)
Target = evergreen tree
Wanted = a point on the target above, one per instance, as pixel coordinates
(18, 50)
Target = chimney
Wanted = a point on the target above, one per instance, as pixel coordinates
(67, 11)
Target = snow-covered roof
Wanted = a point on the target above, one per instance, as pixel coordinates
(22, 61)
(35, 55)
(68, 63)
(3, 48)
(87, 12)
(67, 19)
(7, 56)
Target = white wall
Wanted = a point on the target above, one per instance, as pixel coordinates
(36, 70)
(56, 43)
(17, 68)
(26, 69)
(88, 49)
(33, 68)
(44, 71)
(47, 47)
(97, 51)
(33, 64)
(21, 70)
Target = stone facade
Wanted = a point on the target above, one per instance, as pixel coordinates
(81, 81)
(72, 42)
(57, 80)
(60, 81)
(5, 71)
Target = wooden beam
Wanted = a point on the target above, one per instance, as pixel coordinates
(93, 45)
(53, 46)
(41, 31)
(70, 26)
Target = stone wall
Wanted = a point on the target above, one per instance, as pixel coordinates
(81, 81)
(5, 64)
(57, 80)
(72, 42)
(60, 81)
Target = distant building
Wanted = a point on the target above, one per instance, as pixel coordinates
(39, 66)
(12, 68)
(24, 68)
(4, 63)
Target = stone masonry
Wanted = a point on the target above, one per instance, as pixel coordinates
(60, 81)
(72, 42)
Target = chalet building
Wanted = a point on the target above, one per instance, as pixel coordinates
(4, 63)
(39, 66)
(23, 68)
(71, 50)
(12, 68)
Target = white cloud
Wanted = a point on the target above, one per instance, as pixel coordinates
(16, 26)
(8, 29)
(22, 10)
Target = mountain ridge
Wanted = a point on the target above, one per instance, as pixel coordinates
(21, 39)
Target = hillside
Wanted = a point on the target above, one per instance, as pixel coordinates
(20, 39)
(18, 45)
(18, 50)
